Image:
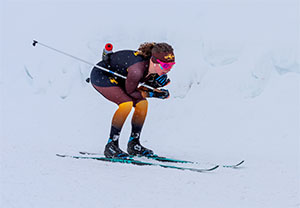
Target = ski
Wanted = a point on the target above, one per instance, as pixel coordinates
(154, 157)
(138, 162)
(165, 159)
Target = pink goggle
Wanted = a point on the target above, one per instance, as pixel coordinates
(165, 66)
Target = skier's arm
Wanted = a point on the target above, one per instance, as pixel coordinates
(134, 76)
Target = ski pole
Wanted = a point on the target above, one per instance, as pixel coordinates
(84, 61)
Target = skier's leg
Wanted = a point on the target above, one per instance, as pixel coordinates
(139, 116)
(112, 147)
(125, 103)
(134, 146)
(117, 95)
(118, 120)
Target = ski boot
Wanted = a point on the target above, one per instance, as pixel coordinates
(136, 149)
(113, 151)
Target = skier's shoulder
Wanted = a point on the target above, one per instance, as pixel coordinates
(128, 54)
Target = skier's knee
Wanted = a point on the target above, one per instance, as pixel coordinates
(126, 106)
(142, 105)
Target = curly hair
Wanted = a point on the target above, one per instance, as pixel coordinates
(146, 49)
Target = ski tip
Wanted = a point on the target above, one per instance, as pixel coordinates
(213, 168)
(207, 170)
(234, 166)
(240, 163)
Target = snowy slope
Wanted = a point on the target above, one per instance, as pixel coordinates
(235, 95)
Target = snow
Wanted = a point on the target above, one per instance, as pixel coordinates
(234, 95)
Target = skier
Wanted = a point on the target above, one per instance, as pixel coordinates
(149, 64)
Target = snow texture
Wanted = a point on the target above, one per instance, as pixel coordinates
(234, 95)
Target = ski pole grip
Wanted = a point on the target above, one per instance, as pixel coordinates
(34, 42)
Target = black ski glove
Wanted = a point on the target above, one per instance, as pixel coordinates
(161, 94)
(162, 80)
(156, 81)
